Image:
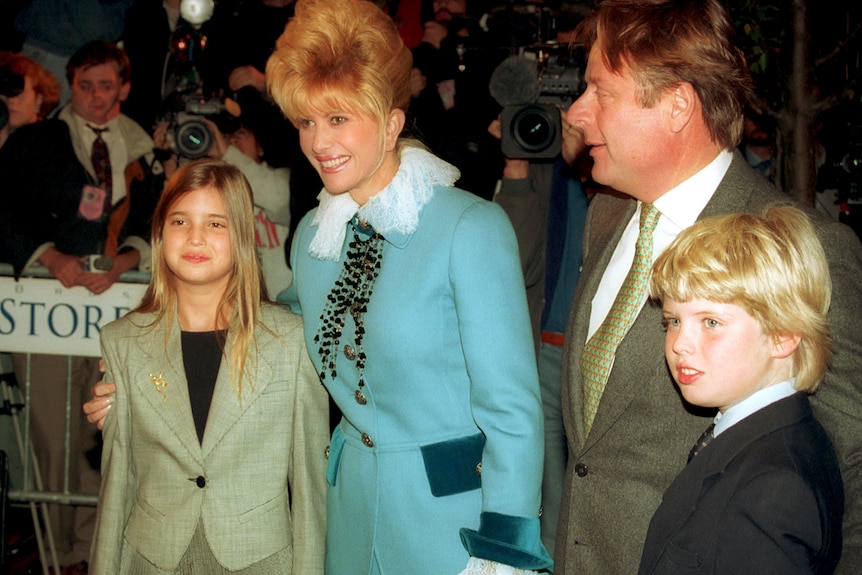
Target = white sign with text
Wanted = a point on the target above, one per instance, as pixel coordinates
(41, 316)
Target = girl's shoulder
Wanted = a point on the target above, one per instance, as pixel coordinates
(132, 321)
(279, 319)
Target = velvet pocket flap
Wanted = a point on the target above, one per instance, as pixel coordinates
(454, 466)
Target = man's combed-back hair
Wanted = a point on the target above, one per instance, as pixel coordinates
(668, 42)
(99, 52)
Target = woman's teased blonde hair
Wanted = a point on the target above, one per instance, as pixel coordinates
(340, 55)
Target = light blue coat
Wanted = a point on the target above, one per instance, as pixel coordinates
(450, 363)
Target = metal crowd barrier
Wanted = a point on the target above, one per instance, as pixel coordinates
(39, 315)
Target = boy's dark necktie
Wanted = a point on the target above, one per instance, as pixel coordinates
(702, 441)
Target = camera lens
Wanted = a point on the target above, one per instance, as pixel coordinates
(193, 139)
(532, 129)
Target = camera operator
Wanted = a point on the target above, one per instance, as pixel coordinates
(85, 216)
(455, 60)
(546, 200)
(271, 189)
(28, 93)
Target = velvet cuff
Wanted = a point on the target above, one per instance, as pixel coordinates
(509, 540)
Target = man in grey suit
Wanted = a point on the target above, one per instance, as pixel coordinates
(662, 114)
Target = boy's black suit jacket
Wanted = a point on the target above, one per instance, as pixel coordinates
(764, 497)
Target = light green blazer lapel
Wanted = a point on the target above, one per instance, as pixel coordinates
(170, 399)
(226, 409)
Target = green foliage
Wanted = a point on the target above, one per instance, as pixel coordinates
(764, 29)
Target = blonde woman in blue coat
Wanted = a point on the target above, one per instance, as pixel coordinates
(415, 315)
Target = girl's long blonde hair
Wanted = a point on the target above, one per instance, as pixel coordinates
(239, 308)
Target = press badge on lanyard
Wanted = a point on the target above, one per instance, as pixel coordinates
(92, 204)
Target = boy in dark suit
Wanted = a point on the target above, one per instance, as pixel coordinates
(744, 300)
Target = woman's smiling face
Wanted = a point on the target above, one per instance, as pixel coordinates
(349, 152)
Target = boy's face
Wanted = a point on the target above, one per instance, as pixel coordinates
(718, 354)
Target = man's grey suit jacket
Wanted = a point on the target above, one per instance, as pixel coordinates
(643, 430)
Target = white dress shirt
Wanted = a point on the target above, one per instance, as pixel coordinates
(679, 209)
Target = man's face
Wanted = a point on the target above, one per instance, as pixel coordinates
(444, 10)
(625, 138)
(97, 92)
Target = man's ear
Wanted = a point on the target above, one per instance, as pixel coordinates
(683, 103)
(784, 345)
(124, 91)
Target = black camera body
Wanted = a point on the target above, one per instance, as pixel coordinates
(189, 135)
(11, 84)
(534, 130)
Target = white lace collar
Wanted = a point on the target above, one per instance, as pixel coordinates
(394, 209)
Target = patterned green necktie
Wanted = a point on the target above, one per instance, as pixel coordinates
(598, 355)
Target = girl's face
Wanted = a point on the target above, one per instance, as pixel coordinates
(347, 151)
(196, 239)
(23, 108)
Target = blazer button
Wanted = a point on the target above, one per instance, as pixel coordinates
(581, 470)
(200, 481)
(366, 440)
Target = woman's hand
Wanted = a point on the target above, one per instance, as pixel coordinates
(98, 407)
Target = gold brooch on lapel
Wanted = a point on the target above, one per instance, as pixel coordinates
(160, 384)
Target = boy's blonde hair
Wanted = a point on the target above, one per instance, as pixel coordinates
(240, 305)
(772, 265)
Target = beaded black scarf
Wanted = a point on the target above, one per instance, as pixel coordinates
(351, 293)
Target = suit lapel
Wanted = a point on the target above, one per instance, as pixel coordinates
(226, 409)
(643, 348)
(163, 385)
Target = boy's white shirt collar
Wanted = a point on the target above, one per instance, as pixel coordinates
(754, 402)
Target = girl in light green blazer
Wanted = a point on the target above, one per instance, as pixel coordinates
(214, 454)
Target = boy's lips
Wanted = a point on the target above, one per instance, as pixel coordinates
(686, 375)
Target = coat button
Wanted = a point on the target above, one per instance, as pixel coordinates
(581, 470)
(200, 481)
(366, 440)
(349, 352)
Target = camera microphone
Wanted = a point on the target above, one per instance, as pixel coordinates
(515, 81)
(529, 129)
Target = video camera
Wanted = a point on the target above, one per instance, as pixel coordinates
(189, 135)
(533, 88)
(11, 84)
(535, 130)
(185, 106)
(842, 169)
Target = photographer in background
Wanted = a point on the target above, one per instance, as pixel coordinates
(28, 93)
(545, 192)
(79, 191)
(271, 189)
(453, 108)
